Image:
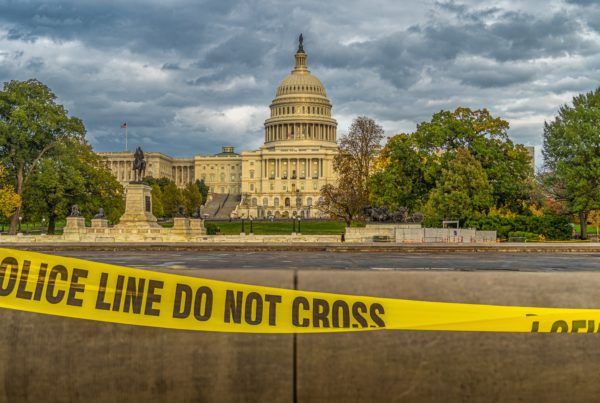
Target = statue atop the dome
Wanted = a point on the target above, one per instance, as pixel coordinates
(300, 44)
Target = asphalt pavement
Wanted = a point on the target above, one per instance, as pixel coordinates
(381, 261)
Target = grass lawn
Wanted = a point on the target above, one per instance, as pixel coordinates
(591, 229)
(280, 227)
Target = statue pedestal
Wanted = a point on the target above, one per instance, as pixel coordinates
(75, 223)
(138, 207)
(197, 226)
(181, 226)
(99, 223)
(74, 228)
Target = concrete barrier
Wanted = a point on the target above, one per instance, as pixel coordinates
(54, 359)
(420, 366)
(49, 358)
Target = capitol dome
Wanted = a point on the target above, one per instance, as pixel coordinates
(300, 81)
(300, 110)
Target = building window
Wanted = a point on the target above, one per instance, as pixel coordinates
(265, 201)
(254, 202)
(276, 202)
(309, 201)
(315, 185)
(272, 186)
(222, 177)
(252, 187)
(233, 177)
(252, 174)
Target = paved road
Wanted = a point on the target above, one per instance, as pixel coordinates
(162, 260)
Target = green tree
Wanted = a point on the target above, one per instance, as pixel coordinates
(31, 125)
(572, 156)
(401, 178)
(172, 198)
(507, 166)
(74, 175)
(161, 182)
(203, 189)
(157, 206)
(353, 164)
(192, 198)
(462, 191)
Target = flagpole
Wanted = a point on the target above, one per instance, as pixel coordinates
(126, 137)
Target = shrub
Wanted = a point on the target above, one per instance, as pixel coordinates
(552, 227)
(211, 229)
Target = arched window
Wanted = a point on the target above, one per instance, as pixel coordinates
(309, 201)
(265, 201)
(254, 202)
(287, 202)
(276, 202)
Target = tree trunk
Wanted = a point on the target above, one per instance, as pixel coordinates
(583, 216)
(14, 221)
(51, 224)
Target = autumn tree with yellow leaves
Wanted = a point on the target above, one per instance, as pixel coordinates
(9, 199)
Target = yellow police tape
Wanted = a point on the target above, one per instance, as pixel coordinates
(75, 288)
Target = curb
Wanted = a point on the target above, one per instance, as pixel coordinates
(313, 247)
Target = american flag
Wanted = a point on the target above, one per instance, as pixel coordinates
(123, 125)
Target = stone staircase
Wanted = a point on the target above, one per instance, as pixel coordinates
(229, 205)
(221, 206)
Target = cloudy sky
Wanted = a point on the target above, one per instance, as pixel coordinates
(189, 76)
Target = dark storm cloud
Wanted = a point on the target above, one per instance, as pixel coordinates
(189, 76)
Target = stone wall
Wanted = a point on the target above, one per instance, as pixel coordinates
(166, 235)
(413, 233)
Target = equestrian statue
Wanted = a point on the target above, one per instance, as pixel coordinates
(139, 165)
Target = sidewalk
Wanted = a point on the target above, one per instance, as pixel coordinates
(505, 247)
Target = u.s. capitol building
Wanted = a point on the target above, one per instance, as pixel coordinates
(283, 177)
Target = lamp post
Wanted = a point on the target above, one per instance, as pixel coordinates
(20, 219)
(43, 223)
(299, 230)
(251, 229)
(293, 225)
(243, 231)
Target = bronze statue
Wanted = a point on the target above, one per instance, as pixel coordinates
(139, 165)
(401, 215)
(181, 211)
(300, 44)
(75, 211)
